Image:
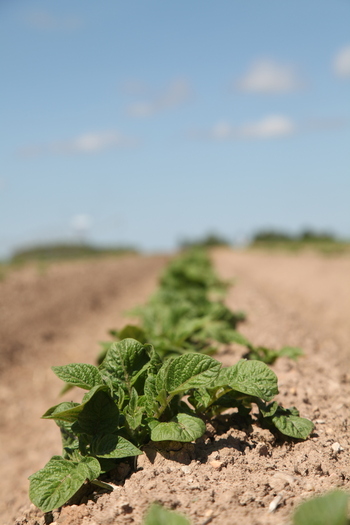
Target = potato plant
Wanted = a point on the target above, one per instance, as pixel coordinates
(133, 397)
(137, 392)
(188, 314)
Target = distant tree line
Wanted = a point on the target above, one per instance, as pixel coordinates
(208, 241)
(64, 251)
(308, 235)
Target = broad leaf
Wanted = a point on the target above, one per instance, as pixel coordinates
(126, 361)
(134, 411)
(190, 371)
(61, 413)
(268, 410)
(92, 467)
(64, 412)
(150, 390)
(330, 509)
(79, 374)
(157, 515)
(161, 375)
(59, 480)
(291, 352)
(182, 427)
(253, 378)
(99, 415)
(200, 399)
(131, 331)
(112, 446)
(69, 439)
(293, 426)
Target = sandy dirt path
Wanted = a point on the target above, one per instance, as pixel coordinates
(234, 474)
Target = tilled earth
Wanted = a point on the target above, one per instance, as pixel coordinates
(232, 475)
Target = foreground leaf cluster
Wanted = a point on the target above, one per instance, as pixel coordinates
(133, 397)
(136, 393)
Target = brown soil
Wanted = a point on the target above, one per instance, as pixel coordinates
(233, 475)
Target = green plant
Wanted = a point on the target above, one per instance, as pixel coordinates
(329, 509)
(158, 515)
(187, 314)
(192, 273)
(132, 398)
(269, 356)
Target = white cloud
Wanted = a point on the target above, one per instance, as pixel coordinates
(177, 93)
(269, 127)
(46, 21)
(267, 76)
(341, 62)
(85, 143)
(272, 126)
(91, 142)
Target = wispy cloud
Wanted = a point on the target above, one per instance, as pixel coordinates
(269, 127)
(176, 94)
(268, 76)
(83, 144)
(44, 20)
(341, 62)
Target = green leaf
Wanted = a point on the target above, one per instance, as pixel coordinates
(63, 412)
(134, 410)
(293, 426)
(69, 439)
(92, 467)
(126, 361)
(92, 392)
(190, 371)
(183, 427)
(157, 515)
(253, 378)
(59, 480)
(131, 331)
(330, 509)
(291, 352)
(161, 375)
(112, 446)
(268, 410)
(150, 390)
(60, 412)
(200, 399)
(79, 374)
(99, 415)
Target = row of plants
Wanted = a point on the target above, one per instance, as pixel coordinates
(188, 313)
(136, 393)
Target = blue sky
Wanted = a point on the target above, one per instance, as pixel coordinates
(146, 122)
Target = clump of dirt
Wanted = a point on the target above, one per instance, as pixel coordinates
(237, 474)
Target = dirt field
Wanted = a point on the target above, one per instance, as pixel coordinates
(231, 476)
